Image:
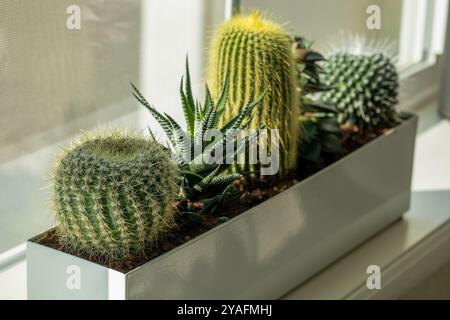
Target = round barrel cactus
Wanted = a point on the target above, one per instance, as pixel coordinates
(113, 194)
(256, 54)
(365, 89)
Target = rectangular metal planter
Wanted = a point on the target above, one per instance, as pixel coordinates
(264, 252)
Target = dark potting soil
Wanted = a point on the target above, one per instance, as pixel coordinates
(251, 194)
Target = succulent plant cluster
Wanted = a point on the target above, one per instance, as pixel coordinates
(256, 53)
(198, 173)
(365, 89)
(113, 194)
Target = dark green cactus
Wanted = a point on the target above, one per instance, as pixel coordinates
(257, 53)
(113, 194)
(321, 141)
(365, 89)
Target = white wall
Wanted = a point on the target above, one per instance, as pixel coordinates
(171, 29)
(324, 20)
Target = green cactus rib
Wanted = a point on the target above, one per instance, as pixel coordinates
(257, 54)
(113, 194)
(365, 89)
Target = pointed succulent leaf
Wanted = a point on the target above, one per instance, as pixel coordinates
(197, 116)
(237, 121)
(197, 165)
(208, 100)
(172, 122)
(224, 94)
(332, 144)
(319, 106)
(180, 138)
(188, 110)
(329, 125)
(190, 173)
(188, 87)
(313, 56)
(160, 118)
(316, 87)
(225, 179)
(211, 119)
(204, 183)
(211, 204)
(205, 123)
(312, 73)
(152, 136)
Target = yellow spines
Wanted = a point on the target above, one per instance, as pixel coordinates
(257, 54)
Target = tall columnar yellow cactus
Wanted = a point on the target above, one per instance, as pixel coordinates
(257, 53)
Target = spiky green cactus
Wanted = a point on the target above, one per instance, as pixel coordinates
(257, 53)
(365, 89)
(113, 194)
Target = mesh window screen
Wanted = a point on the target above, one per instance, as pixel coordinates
(54, 82)
(51, 76)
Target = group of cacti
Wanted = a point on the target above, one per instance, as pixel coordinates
(116, 193)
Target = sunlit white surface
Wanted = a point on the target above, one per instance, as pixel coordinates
(430, 210)
(432, 159)
(13, 282)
